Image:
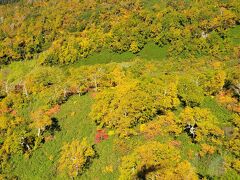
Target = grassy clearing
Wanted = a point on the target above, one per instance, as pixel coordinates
(220, 112)
(75, 124)
(105, 57)
(16, 70)
(150, 4)
(234, 35)
(151, 51)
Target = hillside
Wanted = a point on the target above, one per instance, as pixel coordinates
(119, 89)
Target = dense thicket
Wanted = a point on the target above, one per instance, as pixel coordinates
(62, 32)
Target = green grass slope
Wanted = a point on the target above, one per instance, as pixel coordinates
(75, 124)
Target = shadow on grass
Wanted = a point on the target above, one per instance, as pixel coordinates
(54, 127)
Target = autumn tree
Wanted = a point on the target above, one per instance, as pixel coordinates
(164, 92)
(233, 79)
(162, 125)
(212, 81)
(75, 157)
(15, 137)
(201, 124)
(94, 77)
(123, 107)
(40, 120)
(42, 78)
(67, 50)
(154, 160)
(134, 102)
(234, 142)
(190, 92)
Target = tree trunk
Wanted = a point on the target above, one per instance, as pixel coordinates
(6, 88)
(39, 132)
(95, 82)
(25, 90)
(65, 92)
(28, 147)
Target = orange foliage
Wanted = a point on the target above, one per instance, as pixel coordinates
(206, 150)
(175, 143)
(226, 98)
(163, 125)
(55, 109)
(49, 138)
(14, 112)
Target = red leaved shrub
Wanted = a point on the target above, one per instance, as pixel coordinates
(101, 136)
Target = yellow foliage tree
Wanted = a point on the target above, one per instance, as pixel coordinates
(123, 107)
(154, 160)
(234, 142)
(201, 124)
(74, 157)
(162, 125)
(164, 92)
(40, 120)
